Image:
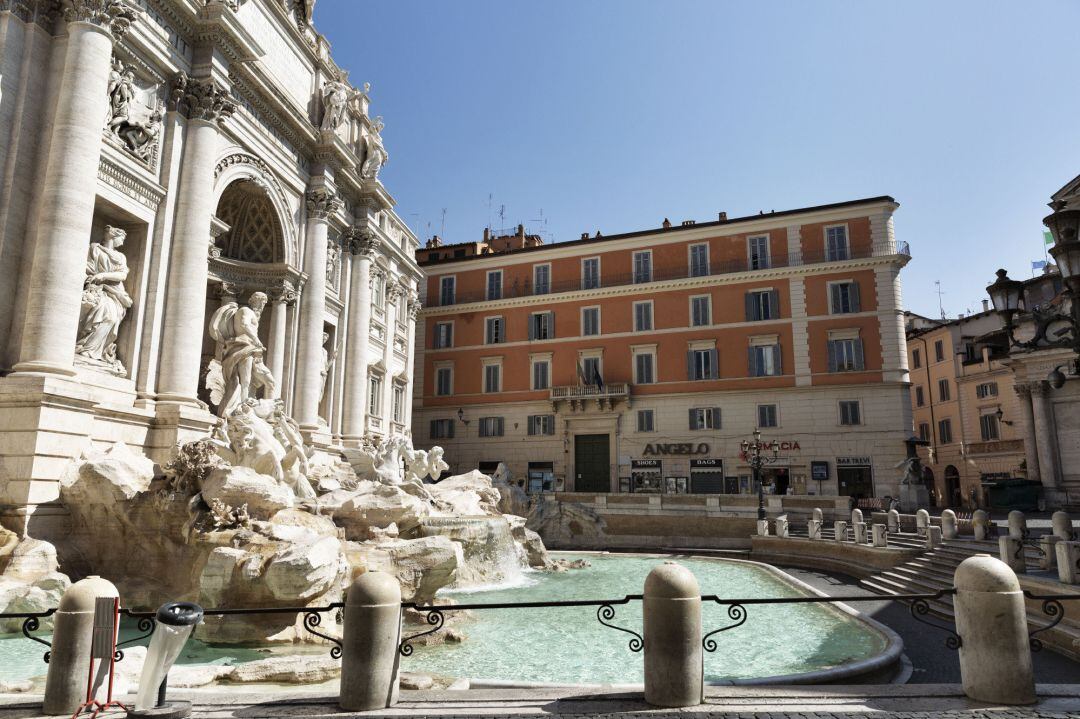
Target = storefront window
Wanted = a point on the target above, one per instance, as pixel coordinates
(541, 478)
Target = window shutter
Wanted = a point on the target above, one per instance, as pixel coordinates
(716, 417)
(751, 361)
(500, 427)
(692, 423)
(532, 327)
(551, 424)
(832, 355)
(714, 361)
(551, 325)
(690, 365)
(777, 367)
(449, 429)
(434, 429)
(834, 299)
(751, 306)
(774, 304)
(856, 305)
(859, 362)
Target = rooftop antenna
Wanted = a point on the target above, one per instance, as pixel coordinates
(541, 224)
(502, 217)
(941, 307)
(442, 225)
(491, 196)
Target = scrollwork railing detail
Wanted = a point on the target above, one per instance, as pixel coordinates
(605, 613)
(737, 613)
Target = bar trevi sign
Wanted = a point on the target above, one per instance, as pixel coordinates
(676, 448)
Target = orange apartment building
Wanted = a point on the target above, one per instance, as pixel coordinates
(640, 361)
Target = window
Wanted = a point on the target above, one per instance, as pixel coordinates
(375, 396)
(590, 321)
(378, 290)
(836, 243)
(643, 316)
(986, 389)
(920, 398)
(850, 413)
(645, 421)
(943, 389)
(846, 355)
(491, 426)
(442, 429)
(916, 359)
(541, 371)
(702, 364)
(758, 252)
(399, 403)
(766, 415)
(590, 369)
(447, 287)
(700, 311)
(590, 273)
(762, 305)
(541, 424)
(444, 381)
(764, 360)
(492, 378)
(493, 330)
(494, 285)
(444, 335)
(844, 297)
(541, 325)
(644, 370)
(699, 260)
(643, 266)
(705, 418)
(541, 279)
(924, 431)
(970, 352)
(988, 425)
(939, 350)
(944, 431)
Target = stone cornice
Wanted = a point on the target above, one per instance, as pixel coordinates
(115, 175)
(216, 23)
(200, 99)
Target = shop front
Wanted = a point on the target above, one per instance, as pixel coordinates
(855, 477)
(646, 476)
(707, 476)
(541, 478)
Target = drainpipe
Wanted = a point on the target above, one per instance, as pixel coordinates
(930, 398)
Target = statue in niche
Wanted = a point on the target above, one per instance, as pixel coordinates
(137, 130)
(376, 155)
(105, 302)
(336, 95)
(121, 95)
(237, 369)
(333, 262)
(328, 359)
(140, 136)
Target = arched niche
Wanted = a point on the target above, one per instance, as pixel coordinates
(238, 176)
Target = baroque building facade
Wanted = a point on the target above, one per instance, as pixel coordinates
(640, 362)
(191, 211)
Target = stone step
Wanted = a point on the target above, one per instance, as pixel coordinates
(928, 572)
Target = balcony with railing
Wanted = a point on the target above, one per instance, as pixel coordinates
(579, 397)
(516, 289)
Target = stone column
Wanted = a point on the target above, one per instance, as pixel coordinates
(362, 247)
(281, 297)
(413, 310)
(1031, 443)
(1046, 431)
(206, 105)
(394, 293)
(54, 289)
(322, 202)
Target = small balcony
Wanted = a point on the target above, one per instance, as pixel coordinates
(579, 397)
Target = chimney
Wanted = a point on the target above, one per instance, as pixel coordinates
(986, 305)
(666, 223)
(521, 231)
(687, 223)
(723, 217)
(487, 234)
(584, 235)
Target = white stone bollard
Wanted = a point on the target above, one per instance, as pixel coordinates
(856, 516)
(991, 619)
(894, 521)
(1068, 562)
(840, 529)
(860, 532)
(1048, 545)
(1017, 524)
(922, 521)
(933, 537)
(672, 633)
(73, 632)
(1062, 526)
(948, 525)
(1011, 552)
(369, 643)
(763, 528)
(781, 527)
(980, 521)
(817, 515)
(813, 529)
(881, 535)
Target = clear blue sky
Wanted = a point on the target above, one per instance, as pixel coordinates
(613, 114)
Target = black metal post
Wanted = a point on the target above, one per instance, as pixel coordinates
(760, 491)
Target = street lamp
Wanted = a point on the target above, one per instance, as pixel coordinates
(754, 455)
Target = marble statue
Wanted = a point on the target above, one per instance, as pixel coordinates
(328, 359)
(333, 262)
(105, 302)
(912, 471)
(137, 128)
(140, 136)
(420, 464)
(376, 155)
(238, 367)
(121, 95)
(336, 95)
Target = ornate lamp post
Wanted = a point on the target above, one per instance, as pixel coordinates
(1053, 329)
(754, 453)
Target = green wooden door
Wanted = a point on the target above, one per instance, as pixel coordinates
(591, 463)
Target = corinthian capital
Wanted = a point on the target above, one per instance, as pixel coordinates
(321, 203)
(1023, 390)
(201, 99)
(113, 15)
(363, 242)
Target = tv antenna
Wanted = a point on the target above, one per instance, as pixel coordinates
(491, 196)
(541, 224)
(941, 306)
(442, 225)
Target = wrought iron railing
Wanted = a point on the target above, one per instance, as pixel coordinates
(526, 288)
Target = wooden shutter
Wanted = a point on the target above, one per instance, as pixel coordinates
(834, 299)
(692, 424)
(751, 361)
(856, 305)
(715, 417)
(499, 424)
(532, 327)
(751, 307)
(551, 325)
(859, 363)
(832, 355)
(690, 365)
(433, 432)
(774, 304)
(714, 362)
(550, 424)
(777, 367)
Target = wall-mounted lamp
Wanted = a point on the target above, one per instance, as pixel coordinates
(461, 417)
(1001, 417)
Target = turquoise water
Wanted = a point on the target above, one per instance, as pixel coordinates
(570, 646)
